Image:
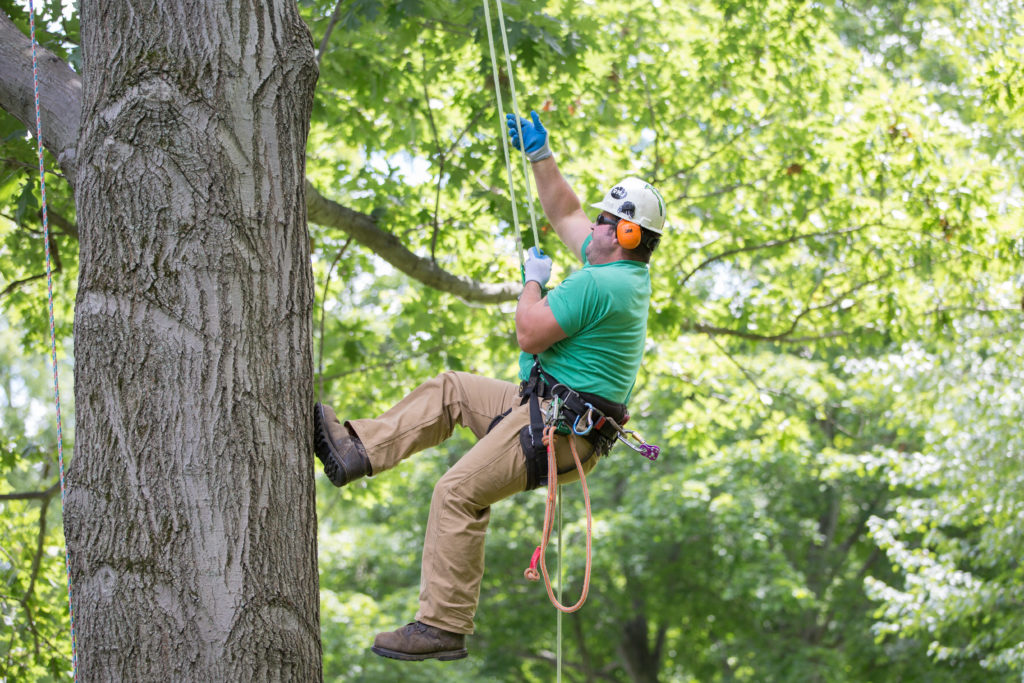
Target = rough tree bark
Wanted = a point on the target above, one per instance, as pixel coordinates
(190, 515)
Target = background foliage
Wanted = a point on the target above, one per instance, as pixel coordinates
(833, 367)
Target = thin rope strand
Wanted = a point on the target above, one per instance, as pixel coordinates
(504, 137)
(519, 248)
(519, 126)
(53, 333)
(558, 613)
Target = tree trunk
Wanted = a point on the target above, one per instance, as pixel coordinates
(190, 515)
(641, 661)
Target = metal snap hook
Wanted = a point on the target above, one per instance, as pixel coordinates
(590, 421)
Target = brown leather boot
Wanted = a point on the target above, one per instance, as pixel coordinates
(416, 641)
(341, 453)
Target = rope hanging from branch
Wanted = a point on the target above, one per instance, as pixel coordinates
(53, 334)
(501, 125)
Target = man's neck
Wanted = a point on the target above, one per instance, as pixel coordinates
(619, 254)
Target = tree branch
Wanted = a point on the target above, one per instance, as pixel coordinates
(724, 190)
(365, 230)
(386, 364)
(335, 16)
(61, 103)
(32, 495)
(37, 561)
(782, 338)
(60, 93)
(66, 226)
(858, 530)
(440, 163)
(654, 127)
(469, 126)
(771, 244)
(57, 267)
(746, 373)
(763, 120)
(34, 168)
(18, 283)
(985, 310)
(323, 305)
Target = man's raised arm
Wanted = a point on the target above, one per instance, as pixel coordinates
(561, 205)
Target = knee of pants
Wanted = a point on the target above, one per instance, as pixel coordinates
(446, 378)
(452, 386)
(445, 490)
(450, 498)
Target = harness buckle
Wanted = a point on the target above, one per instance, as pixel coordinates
(554, 411)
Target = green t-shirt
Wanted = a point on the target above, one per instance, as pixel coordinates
(603, 310)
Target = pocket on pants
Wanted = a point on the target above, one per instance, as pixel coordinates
(567, 472)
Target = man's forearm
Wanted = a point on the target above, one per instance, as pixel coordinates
(531, 294)
(536, 326)
(557, 198)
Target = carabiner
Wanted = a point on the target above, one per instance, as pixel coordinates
(590, 421)
(649, 451)
(554, 411)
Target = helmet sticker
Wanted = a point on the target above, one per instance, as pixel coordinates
(628, 208)
(661, 202)
(617, 192)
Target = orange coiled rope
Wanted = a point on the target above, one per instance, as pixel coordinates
(538, 555)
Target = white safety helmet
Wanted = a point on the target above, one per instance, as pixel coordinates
(636, 201)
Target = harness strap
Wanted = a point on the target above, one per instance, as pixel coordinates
(598, 414)
(531, 437)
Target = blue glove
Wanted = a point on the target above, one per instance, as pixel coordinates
(537, 267)
(534, 135)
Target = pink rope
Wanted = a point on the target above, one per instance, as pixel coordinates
(53, 334)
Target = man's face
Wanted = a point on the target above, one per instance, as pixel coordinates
(603, 244)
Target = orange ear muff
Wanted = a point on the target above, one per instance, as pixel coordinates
(628, 234)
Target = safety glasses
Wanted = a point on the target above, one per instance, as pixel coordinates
(604, 220)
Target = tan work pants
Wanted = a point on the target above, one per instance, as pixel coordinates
(453, 549)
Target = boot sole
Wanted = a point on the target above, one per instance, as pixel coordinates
(324, 449)
(444, 655)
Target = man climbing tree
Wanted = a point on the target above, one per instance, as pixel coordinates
(582, 343)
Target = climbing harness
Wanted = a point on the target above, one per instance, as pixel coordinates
(575, 414)
(600, 416)
(53, 334)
